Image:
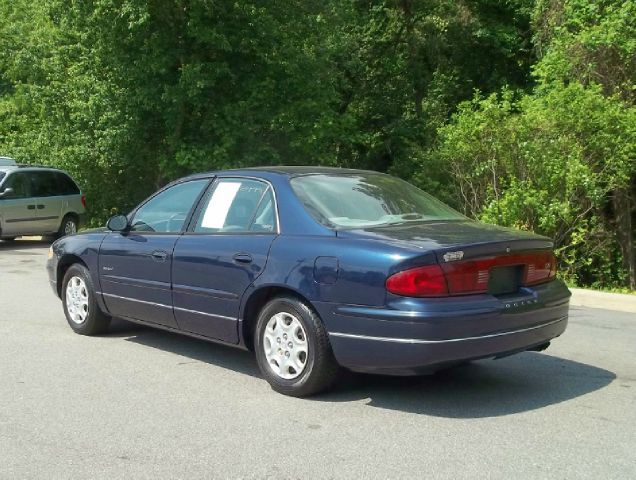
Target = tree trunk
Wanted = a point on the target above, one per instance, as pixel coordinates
(414, 62)
(624, 206)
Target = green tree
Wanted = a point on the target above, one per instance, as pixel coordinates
(128, 95)
(548, 163)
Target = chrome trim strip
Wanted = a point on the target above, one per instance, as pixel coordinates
(168, 306)
(451, 340)
(206, 314)
(204, 292)
(136, 300)
(134, 282)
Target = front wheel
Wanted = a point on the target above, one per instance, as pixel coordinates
(292, 348)
(80, 306)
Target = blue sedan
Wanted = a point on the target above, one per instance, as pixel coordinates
(315, 269)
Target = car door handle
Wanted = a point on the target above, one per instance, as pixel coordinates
(40, 207)
(243, 258)
(31, 207)
(159, 255)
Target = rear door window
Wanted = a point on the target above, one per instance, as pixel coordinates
(237, 205)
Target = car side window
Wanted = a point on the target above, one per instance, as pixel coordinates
(238, 206)
(65, 185)
(21, 185)
(44, 184)
(265, 216)
(167, 211)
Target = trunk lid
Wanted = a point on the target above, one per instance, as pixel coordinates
(473, 239)
(474, 257)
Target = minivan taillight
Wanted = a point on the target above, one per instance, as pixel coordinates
(84, 200)
(470, 276)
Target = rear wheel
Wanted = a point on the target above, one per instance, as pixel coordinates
(80, 306)
(292, 348)
(68, 226)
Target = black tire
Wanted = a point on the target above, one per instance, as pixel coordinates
(320, 370)
(68, 226)
(95, 321)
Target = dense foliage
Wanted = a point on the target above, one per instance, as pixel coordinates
(518, 112)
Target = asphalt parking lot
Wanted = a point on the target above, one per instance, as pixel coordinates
(141, 403)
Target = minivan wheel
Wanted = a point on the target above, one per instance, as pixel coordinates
(68, 226)
(292, 348)
(79, 303)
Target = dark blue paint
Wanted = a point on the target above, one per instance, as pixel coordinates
(134, 283)
(326, 270)
(204, 283)
(209, 282)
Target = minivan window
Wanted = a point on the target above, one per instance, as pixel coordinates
(167, 211)
(44, 184)
(65, 185)
(20, 183)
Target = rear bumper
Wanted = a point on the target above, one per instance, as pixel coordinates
(421, 336)
(393, 356)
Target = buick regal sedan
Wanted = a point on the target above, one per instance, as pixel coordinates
(315, 269)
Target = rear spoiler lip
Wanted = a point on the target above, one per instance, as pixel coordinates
(489, 249)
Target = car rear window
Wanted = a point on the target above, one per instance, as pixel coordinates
(367, 200)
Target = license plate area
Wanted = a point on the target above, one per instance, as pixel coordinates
(503, 280)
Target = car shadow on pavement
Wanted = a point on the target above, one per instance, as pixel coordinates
(488, 388)
(206, 352)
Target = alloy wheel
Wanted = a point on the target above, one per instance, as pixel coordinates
(285, 345)
(77, 300)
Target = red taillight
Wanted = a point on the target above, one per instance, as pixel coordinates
(541, 267)
(84, 200)
(425, 281)
(470, 276)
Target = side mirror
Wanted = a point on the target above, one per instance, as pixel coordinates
(6, 192)
(118, 223)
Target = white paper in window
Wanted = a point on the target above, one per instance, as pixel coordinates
(219, 205)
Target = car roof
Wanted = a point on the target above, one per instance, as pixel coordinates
(293, 170)
(29, 168)
(285, 170)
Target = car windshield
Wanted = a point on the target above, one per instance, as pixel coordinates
(367, 200)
